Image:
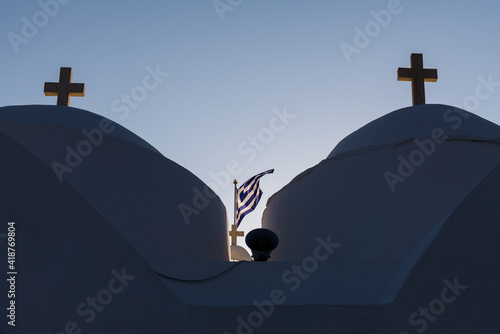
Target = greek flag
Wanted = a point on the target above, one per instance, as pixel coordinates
(248, 196)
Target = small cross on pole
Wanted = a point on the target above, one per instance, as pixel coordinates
(417, 74)
(64, 88)
(234, 234)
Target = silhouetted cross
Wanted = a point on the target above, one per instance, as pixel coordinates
(64, 88)
(417, 74)
(234, 234)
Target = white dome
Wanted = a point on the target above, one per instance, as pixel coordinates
(417, 122)
(132, 186)
(382, 193)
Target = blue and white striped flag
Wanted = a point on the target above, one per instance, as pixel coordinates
(248, 196)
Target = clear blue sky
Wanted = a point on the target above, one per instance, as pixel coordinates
(229, 70)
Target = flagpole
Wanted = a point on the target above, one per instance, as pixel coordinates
(235, 200)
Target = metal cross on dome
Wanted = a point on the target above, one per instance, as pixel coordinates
(417, 74)
(64, 88)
